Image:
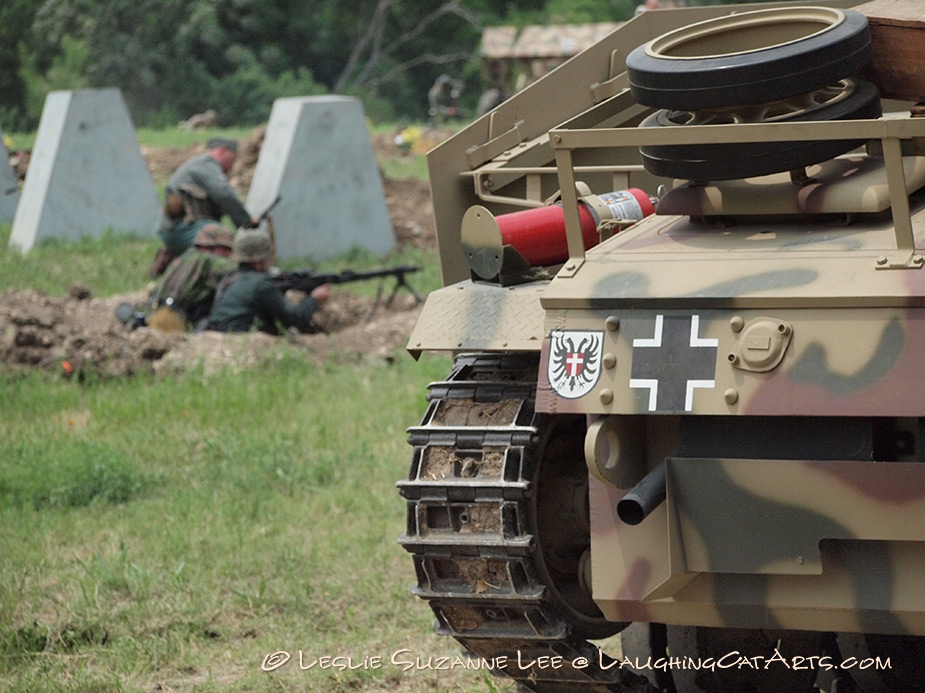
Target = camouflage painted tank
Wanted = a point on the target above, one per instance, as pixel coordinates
(701, 428)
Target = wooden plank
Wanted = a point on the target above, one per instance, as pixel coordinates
(897, 32)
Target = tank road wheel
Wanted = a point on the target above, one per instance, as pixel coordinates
(847, 99)
(498, 528)
(718, 643)
(907, 662)
(562, 519)
(731, 61)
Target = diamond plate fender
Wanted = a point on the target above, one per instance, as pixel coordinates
(486, 317)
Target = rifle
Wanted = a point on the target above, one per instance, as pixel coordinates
(308, 281)
(267, 217)
(266, 213)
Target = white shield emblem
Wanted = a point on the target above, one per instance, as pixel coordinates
(574, 361)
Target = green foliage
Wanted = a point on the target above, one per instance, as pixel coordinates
(249, 91)
(66, 71)
(15, 20)
(173, 58)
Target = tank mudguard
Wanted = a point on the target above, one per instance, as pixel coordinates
(472, 316)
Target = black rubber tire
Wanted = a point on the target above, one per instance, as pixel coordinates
(705, 162)
(723, 643)
(689, 69)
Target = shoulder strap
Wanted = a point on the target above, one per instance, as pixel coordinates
(223, 286)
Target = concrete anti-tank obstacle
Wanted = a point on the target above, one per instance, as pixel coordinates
(9, 186)
(86, 174)
(317, 155)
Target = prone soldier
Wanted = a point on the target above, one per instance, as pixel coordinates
(249, 299)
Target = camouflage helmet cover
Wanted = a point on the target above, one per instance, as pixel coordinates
(252, 245)
(214, 235)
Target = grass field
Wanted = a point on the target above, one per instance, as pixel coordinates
(169, 534)
(174, 532)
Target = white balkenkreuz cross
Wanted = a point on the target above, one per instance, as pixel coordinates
(574, 362)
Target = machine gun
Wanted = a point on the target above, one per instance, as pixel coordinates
(308, 281)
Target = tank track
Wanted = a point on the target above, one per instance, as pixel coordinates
(470, 532)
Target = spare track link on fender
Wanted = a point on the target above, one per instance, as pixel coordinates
(470, 533)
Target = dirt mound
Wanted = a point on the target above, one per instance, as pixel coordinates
(378, 338)
(78, 336)
(411, 211)
(74, 335)
(242, 173)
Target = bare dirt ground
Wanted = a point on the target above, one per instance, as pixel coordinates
(79, 336)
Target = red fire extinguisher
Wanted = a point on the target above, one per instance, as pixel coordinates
(538, 235)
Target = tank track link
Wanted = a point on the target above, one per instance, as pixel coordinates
(470, 532)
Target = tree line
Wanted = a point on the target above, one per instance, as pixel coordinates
(173, 58)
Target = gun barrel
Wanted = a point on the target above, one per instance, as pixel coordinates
(266, 212)
(306, 280)
(644, 497)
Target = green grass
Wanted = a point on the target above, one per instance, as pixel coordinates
(110, 264)
(177, 531)
(170, 533)
(411, 165)
(116, 264)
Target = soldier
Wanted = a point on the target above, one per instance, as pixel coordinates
(443, 98)
(248, 299)
(187, 288)
(199, 193)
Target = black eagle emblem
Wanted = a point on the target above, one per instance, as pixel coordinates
(574, 362)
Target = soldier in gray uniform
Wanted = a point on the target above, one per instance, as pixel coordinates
(199, 193)
(248, 299)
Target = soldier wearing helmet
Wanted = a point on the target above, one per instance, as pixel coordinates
(248, 299)
(198, 193)
(187, 288)
(443, 98)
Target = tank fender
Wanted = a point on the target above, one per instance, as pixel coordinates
(485, 317)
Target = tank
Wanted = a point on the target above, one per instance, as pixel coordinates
(683, 279)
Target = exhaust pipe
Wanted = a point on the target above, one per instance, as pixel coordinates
(645, 496)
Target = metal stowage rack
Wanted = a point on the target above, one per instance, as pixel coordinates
(890, 131)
